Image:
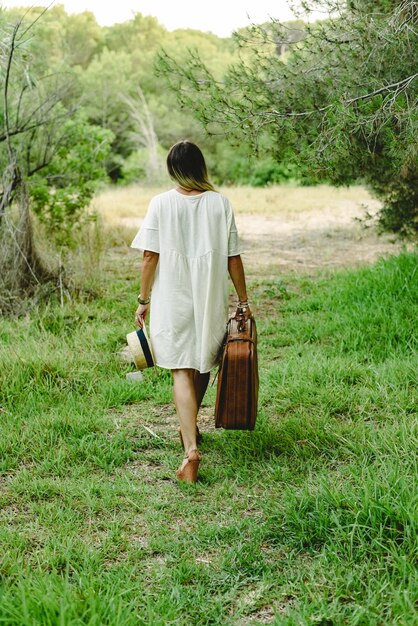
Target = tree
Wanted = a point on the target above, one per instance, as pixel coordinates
(108, 77)
(61, 187)
(50, 157)
(144, 135)
(60, 39)
(342, 103)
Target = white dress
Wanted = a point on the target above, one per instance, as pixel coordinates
(194, 235)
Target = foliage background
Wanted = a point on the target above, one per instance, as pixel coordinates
(331, 101)
(105, 66)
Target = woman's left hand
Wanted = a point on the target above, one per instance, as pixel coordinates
(246, 312)
(141, 314)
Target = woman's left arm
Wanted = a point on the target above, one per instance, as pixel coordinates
(149, 265)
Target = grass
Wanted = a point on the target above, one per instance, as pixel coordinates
(310, 519)
(132, 202)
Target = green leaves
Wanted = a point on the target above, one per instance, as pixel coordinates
(342, 98)
(64, 188)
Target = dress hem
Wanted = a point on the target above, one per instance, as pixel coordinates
(186, 367)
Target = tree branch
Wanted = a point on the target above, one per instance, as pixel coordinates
(402, 84)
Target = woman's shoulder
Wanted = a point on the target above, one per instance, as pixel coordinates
(159, 201)
(225, 202)
(218, 197)
(163, 196)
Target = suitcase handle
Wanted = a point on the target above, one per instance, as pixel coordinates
(240, 319)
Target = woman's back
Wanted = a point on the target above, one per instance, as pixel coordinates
(190, 225)
(194, 235)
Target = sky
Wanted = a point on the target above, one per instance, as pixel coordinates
(218, 16)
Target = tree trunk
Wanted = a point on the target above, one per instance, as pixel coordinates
(33, 270)
(22, 270)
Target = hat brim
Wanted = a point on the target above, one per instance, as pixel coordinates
(140, 347)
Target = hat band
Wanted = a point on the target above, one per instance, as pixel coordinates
(145, 347)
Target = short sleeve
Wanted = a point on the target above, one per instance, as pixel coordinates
(148, 236)
(234, 245)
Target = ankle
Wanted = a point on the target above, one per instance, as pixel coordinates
(193, 453)
(190, 444)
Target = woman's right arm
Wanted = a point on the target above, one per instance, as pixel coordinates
(149, 265)
(237, 274)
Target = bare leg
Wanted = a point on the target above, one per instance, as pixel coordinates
(186, 405)
(201, 382)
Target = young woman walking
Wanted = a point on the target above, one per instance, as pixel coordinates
(190, 244)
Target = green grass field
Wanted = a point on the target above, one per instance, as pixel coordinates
(310, 519)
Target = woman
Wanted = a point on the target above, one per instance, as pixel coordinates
(190, 242)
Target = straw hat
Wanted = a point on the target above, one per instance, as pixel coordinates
(141, 349)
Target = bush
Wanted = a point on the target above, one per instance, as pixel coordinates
(268, 171)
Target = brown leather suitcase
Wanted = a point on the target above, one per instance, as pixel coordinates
(237, 392)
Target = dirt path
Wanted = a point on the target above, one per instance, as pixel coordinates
(303, 241)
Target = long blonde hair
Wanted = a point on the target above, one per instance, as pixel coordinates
(186, 165)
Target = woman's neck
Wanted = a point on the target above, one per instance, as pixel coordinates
(188, 192)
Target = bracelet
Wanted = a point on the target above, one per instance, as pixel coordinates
(243, 303)
(143, 300)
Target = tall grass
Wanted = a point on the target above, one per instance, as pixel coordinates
(132, 202)
(310, 519)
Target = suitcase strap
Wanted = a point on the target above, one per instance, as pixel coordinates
(233, 339)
